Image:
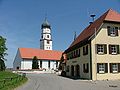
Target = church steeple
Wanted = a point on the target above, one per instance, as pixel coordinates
(45, 24)
(46, 38)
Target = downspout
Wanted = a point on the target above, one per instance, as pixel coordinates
(90, 61)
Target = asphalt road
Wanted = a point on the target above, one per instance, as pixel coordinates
(54, 82)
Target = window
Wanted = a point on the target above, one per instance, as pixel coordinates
(86, 68)
(48, 64)
(79, 52)
(85, 50)
(76, 53)
(56, 64)
(112, 31)
(113, 49)
(101, 49)
(47, 36)
(40, 64)
(73, 54)
(102, 67)
(67, 69)
(48, 42)
(114, 67)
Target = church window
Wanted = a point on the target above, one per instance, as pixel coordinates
(40, 64)
(48, 42)
(48, 64)
(47, 36)
(56, 64)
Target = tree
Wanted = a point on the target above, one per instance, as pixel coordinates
(2, 53)
(35, 63)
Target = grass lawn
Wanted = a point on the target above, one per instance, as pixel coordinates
(9, 80)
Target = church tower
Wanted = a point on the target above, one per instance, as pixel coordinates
(46, 38)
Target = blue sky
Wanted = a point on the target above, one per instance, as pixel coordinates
(20, 21)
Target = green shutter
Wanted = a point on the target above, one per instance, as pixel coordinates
(106, 68)
(110, 52)
(118, 51)
(116, 31)
(105, 49)
(108, 30)
(118, 67)
(96, 48)
(86, 49)
(84, 68)
(97, 67)
(87, 67)
(110, 67)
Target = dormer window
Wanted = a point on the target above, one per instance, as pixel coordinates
(112, 31)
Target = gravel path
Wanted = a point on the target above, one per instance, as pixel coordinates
(54, 82)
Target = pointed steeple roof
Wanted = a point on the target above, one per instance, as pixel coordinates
(46, 23)
(110, 15)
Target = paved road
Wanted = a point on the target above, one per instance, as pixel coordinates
(54, 82)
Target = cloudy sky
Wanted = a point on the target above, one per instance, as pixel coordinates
(20, 21)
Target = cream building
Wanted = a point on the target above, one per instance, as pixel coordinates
(95, 53)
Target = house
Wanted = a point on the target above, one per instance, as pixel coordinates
(95, 53)
(47, 59)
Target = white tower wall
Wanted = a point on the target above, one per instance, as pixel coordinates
(46, 38)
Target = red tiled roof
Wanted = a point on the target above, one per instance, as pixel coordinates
(29, 53)
(110, 15)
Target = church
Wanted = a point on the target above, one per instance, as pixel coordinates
(48, 59)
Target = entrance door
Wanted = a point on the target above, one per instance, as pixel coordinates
(77, 70)
(72, 70)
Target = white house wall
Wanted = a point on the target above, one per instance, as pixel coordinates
(26, 64)
(17, 61)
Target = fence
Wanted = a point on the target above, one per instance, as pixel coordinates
(11, 80)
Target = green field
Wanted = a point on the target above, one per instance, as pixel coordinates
(9, 80)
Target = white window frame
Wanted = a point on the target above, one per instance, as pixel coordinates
(100, 49)
(113, 31)
(115, 67)
(102, 68)
(113, 49)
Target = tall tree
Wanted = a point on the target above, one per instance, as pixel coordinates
(35, 63)
(2, 53)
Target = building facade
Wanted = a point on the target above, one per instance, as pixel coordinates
(95, 53)
(47, 59)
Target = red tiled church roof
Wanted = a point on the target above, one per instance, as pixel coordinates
(110, 15)
(29, 53)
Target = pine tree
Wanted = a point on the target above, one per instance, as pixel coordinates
(2, 53)
(35, 63)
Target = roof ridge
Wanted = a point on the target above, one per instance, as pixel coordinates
(109, 15)
(103, 16)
